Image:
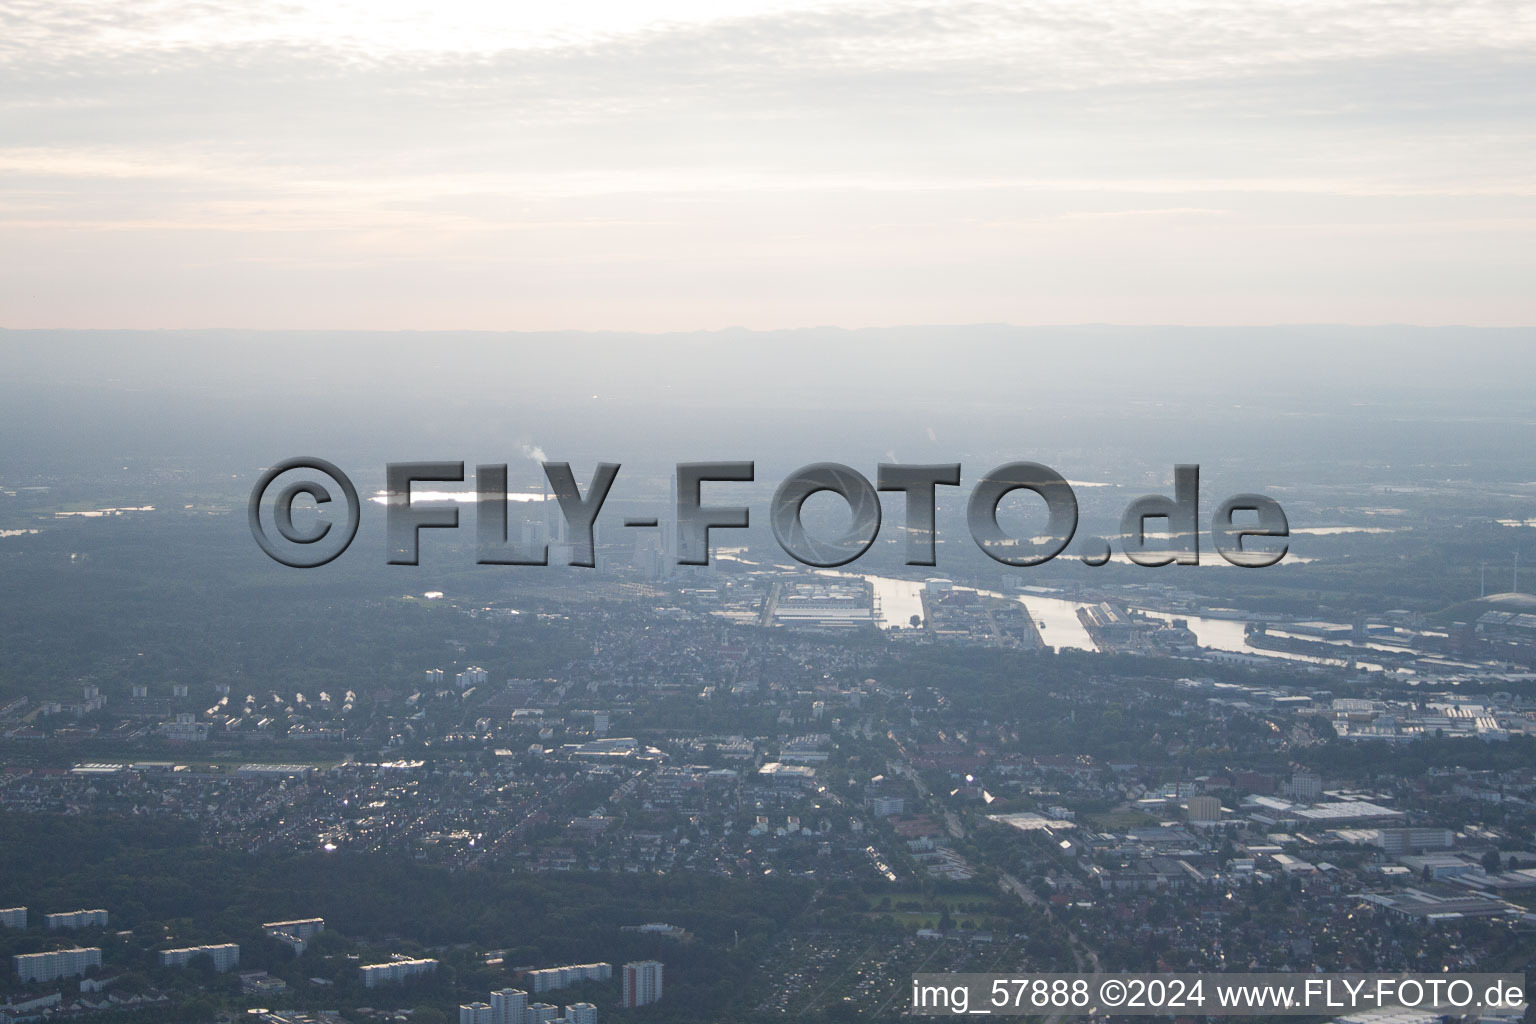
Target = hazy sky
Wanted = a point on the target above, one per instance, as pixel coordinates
(702, 163)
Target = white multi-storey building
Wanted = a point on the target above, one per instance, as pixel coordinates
(295, 934)
(396, 970)
(13, 917)
(1411, 840)
(304, 928)
(540, 1013)
(75, 919)
(580, 1013)
(1204, 808)
(225, 955)
(1306, 787)
(61, 963)
(474, 1013)
(642, 982)
(508, 1006)
(547, 978)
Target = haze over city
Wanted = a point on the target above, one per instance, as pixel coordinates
(1198, 266)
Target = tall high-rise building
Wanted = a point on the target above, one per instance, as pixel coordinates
(508, 1006)
(580, 1013)
(642, 982)
(539, 1013)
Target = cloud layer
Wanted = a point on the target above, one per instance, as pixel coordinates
(772, 164)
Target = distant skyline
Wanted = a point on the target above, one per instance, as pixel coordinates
(765, 163)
